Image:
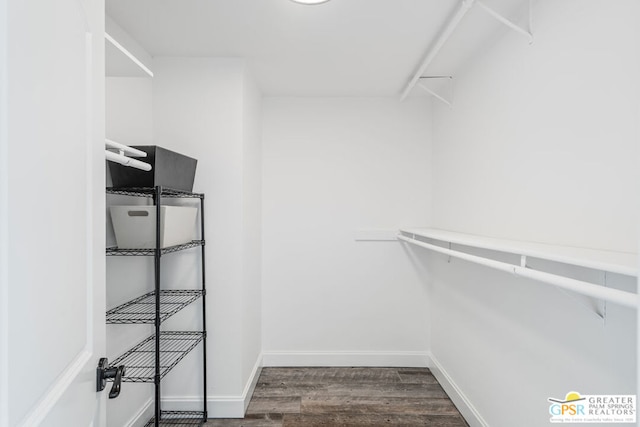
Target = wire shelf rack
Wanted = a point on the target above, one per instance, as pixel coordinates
(142, 310)
(179, 418)
(140, 360)
(150, 192)
(115, 251)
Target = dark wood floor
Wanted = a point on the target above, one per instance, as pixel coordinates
(340, 397)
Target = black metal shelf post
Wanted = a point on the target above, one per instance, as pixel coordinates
(156, 265)
(153, 358)
(204, 309)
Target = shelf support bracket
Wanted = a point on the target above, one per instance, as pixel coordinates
(595, 306)
(445, 33)
(422, 84)
(528, 33)
(523, 261)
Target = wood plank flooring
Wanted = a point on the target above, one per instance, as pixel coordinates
(341, 397)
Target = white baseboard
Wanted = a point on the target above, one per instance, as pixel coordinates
(412, 359)
(253, 381)
(218, 406)
(464, 405)
(143, 416)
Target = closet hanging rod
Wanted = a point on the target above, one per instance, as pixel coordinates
(124, 149)
(126, 161)
(627, 299)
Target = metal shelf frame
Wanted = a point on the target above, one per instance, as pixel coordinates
(115, 251)
(141, 310)
(152, 359)
(140, 360)
(151, 192)
(179, 418)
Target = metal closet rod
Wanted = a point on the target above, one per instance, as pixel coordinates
(627, 299)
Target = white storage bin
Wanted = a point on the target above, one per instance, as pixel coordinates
(135, 226)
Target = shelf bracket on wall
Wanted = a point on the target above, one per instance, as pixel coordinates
(423, 84)
(451, 25)
(528, 33)
(442, 38)
(596, 306)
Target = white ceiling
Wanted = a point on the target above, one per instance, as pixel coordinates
(339, 48)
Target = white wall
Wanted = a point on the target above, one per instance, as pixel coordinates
(541, 145)
(204, 108)
(129, 110)
(331, 167)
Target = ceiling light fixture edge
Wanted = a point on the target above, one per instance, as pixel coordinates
(310, 2)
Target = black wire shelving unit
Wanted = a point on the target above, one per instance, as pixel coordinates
(115, 251)
(140, 360)
(143, 309)
(178, 418)
(151, 192)
(150, 360)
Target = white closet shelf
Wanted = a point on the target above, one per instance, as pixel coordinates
(624, 263)
(608, 261)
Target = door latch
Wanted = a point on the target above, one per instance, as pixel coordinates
(105, 372)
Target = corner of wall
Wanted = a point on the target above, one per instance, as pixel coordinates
(4, 223)
(252, 382)
(228, 406)
(251, 227)
(459, 399)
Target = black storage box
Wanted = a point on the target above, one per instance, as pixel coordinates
(169, 169)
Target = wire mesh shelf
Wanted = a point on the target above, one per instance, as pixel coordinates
(179, 418)
(150, 192)
(115, 251)
(142, 310)
(140, 360)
